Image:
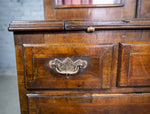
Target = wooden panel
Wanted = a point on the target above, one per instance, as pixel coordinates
(20, 72)
(89, 104)
(32, 38)
(135, 64)
(143, 9)
(102, 36)
(39, 75)
(23, 98)
(115, 13)
(20, 64)
(19, 57)
(146, 35)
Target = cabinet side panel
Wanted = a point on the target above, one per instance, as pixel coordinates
(20, 72)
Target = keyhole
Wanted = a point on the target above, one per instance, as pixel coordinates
(67, 76)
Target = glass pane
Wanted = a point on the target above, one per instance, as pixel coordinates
(87, 2)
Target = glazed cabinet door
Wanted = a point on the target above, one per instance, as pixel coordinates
(134, 67)
(98, 10)
(143, 9)
(68, 66)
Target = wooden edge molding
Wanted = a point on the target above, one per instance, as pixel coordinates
(48, 25)
(63, 6)
(89, 6)
(36, 25)
(123, 24)
(87, 95)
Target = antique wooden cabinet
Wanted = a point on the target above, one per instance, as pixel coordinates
(86, 57)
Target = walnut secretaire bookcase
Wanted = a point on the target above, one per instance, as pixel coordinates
(86, 57)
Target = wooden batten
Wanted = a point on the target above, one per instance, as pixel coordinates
(36, 25)
(77, 25)
(124, 24)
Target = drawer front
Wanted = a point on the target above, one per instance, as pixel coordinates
(67, 66)
(89, 104)
(134, 64)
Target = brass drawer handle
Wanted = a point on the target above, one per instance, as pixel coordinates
(90, 29)
(67, 66)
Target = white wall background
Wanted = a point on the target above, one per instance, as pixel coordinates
(15, 10)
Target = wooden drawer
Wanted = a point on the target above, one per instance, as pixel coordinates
(89, 104)
(46, 66)
(134, 64)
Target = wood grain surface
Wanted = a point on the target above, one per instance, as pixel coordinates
(89, 104)
(117, 77)
(135, 64)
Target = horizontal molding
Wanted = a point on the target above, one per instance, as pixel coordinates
(49, 25)
(124, 24)
(89, 6)
(36, 25)
(90, 95)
